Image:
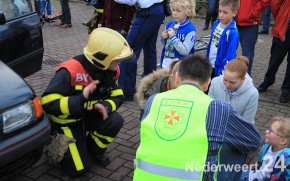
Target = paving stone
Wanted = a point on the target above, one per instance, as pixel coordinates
(116, 163)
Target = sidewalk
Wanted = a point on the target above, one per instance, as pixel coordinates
(62, 44)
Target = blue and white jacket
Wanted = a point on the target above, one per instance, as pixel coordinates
(281, 170)
(227, 47)
(183, 41)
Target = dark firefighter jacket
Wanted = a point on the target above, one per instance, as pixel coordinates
(63, 100)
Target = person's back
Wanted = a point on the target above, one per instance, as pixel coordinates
(236, 88)
(179, 35)
(224, 39)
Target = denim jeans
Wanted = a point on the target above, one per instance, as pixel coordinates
(248, 39)
(230, 158)
(66, 16)
(266, 18)
(142, 35)
(244, 176)
(279, 50)
(42, 7)
(213, 6)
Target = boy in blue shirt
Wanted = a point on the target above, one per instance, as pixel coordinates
(224, 39)
(179, 35)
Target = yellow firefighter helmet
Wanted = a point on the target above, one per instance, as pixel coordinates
(105, 46)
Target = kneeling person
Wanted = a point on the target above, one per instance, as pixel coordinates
(83, 97)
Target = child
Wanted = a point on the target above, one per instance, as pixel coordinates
(117, 16)
(274, 157)
(224, 38)
(236, 88)
(179, 35)
(160, 81)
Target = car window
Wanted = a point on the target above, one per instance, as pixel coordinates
(15, 8)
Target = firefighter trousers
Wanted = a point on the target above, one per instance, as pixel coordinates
(93, 135)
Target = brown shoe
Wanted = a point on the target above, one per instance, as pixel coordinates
(66, 25)
(60, 24)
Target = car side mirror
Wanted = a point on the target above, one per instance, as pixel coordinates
(2, 18)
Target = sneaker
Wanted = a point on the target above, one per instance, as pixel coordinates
(262, 88)
(284, 98)
(103, 160)
(264, 32)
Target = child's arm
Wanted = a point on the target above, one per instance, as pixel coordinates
(186, 46)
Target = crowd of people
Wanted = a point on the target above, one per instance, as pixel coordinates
(203, 105)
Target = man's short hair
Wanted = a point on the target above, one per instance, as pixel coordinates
(234, 4)
(195, 67)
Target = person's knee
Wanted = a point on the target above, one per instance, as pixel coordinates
(116, 121)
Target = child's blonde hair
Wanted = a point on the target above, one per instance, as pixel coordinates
(188, 5)
(284, 127)
(234, 4)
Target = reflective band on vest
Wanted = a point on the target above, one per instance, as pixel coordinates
(169, 172)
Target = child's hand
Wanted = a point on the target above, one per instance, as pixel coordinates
(171, 32)
(164, 35)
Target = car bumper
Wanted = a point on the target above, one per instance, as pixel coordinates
(24, 149)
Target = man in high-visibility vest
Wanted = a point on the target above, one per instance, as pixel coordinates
(81, 101)
(183, 129)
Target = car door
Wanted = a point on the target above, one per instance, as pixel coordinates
(21, 42)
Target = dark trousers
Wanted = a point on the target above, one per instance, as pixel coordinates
(213, 6)
(248, 39)
(93, 136)
(142, 35)
(66, 17)
(279, 50)
(230, 158)
(37, 7)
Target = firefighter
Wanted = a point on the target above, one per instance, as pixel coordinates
(82, 98)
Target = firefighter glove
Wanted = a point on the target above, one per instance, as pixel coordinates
(58, 147)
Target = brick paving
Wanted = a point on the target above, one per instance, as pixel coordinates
(62, 44)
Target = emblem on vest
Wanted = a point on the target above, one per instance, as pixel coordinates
(173, 118)
(82, 77)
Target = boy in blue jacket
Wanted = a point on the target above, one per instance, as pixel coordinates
(179, 35)
(224, 39)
